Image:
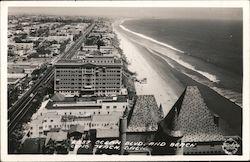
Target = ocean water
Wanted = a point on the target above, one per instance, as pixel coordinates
(209, 52)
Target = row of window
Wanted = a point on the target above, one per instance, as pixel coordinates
(107, 107)
(89, 76)
(67, 126)
(97, 88)
(91, 70)
(89, 83)
(99, 61)
(46, 120)
(90, 79)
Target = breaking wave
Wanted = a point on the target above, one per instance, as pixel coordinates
(229, 94)
(151, 39)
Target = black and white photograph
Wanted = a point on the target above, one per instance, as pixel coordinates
(125, 80)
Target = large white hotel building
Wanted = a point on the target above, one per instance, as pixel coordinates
(94, 75)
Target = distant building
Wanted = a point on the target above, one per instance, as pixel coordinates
(23, 67)
(103, 49)
(23, 46)
(95, 75)
(59, 38)
(15, 79)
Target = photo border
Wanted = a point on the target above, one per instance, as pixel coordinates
(199, 4)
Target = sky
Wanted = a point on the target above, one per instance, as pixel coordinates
(135, 12)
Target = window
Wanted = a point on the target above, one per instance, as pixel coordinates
(49, 126)
(108, 112)
(107, 107)
(31, 128)
(40, 127)
(114, 107)
(51, 120)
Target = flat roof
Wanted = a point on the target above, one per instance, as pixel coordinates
(13, 80)
(16, 75)
(55, 107)
(60, 98)
(114, 116)
(107, 133)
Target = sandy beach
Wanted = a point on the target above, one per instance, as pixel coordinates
(166, 82)
(141, 63)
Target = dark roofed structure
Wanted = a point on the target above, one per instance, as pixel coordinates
(190, 119)
(33, 146)
(145, 115)
(76, 129)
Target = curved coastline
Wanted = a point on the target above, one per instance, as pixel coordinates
(167, 83)
(209, 76)
(231, 95)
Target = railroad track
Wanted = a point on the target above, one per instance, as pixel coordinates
(22, 106)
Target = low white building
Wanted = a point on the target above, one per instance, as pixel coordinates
(23, 46)
(87, 106)
(49, 121)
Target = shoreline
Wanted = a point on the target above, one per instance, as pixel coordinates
(167, 51)
(165, 94)
(229, 112)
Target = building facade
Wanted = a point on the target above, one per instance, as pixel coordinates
(95, 75)
(81, 107)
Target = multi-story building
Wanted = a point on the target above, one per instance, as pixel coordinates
(95, 75)
(103, 49)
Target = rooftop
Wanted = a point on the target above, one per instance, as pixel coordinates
(191, 116)
(145, 115)
(16, 75)
(58, 97)
(76, 128)
(107, 133)
(92, 61)
(61, 102)
(114, 116)
(13, 80)
(56, 136)
(51, 115)
(32, 145)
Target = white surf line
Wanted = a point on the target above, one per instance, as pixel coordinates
(223, 92)
(177, 59)
(209, 76)
(151, 39)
